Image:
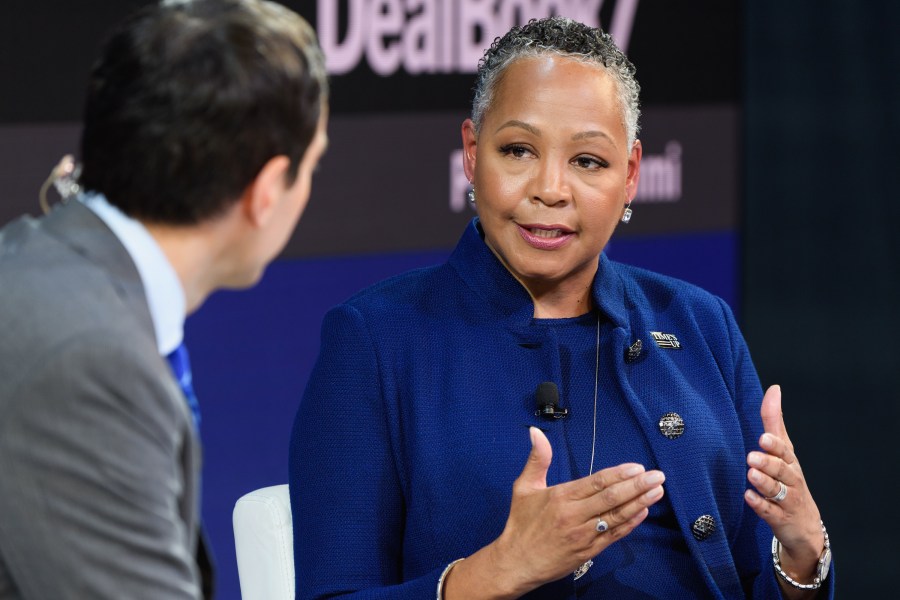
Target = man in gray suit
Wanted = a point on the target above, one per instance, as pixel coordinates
(204, 121)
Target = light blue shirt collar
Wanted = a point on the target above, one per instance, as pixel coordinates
(165, 296)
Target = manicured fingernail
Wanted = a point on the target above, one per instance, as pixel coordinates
(767, 440)
(751, 497)
(755, 459)
(634, 470)
(755, 476)
(654, 478)
(654, 494)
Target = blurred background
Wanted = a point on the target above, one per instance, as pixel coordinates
(771, 177)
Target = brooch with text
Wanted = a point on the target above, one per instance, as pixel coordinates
(666, 340)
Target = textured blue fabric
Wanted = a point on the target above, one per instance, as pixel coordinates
(414, 426)
(180, 363)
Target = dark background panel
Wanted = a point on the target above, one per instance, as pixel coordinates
(46, 51)
(679, 74)
(686, 52)
(822, 259)
(388, 181)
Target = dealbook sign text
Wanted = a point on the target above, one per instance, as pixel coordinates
(440, 36)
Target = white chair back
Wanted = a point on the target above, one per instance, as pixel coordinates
(263, 539)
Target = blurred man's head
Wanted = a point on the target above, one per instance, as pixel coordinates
(191, 99)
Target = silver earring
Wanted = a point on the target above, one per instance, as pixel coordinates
(471, 195)
(626, 216)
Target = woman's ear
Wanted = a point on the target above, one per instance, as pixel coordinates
(470, 147)
(265, 191)
(633, 176)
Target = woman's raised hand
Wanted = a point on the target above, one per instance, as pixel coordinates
(551, 531)
(781, 497)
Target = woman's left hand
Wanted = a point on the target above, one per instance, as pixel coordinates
(794, 516)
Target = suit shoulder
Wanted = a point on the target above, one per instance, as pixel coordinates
(55, 300)
(58, 290)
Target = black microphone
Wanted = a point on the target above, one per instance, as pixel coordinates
(547, 398)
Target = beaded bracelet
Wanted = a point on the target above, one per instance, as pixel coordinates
(822, 567)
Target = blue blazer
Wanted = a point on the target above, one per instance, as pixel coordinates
(413, 428)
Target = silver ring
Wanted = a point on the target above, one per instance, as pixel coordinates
(781, 495)
(601, 526)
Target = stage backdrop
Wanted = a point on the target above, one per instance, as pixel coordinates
(390, 194)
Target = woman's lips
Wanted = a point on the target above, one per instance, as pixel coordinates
(545, 237)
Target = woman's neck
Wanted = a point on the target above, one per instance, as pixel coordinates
(570, 296)
(559, 300)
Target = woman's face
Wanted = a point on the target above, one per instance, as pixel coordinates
(552, 170)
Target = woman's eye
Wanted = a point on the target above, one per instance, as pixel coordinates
(514, 150)
(591, 162)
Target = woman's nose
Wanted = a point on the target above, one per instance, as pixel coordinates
(549, 184)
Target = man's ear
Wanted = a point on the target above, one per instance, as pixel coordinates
(470, 148)
(263, 194)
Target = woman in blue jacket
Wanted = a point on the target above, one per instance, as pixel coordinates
(445, 437)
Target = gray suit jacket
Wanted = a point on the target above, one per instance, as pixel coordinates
(99, 461)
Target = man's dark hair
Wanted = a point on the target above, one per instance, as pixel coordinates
(189, 100)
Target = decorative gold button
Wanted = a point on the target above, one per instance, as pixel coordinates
(671, 425)
(703, 527)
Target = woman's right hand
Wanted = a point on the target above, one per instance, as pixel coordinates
(551, 531)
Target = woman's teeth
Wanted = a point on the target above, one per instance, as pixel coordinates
(546, 233)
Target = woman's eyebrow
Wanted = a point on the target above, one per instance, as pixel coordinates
(520, 124)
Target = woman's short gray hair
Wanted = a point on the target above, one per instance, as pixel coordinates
(565, 37)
